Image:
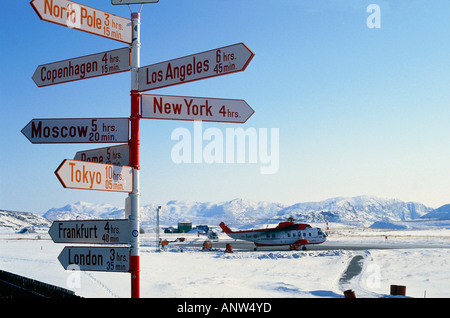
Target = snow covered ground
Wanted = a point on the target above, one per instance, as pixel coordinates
(310, 274)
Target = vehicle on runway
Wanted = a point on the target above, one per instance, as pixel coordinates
(285, 233)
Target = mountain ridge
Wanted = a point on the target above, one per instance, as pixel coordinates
(362, 210)
(239, 212)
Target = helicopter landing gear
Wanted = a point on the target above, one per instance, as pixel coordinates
(294, 247)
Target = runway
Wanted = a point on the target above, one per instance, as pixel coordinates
(328, 245)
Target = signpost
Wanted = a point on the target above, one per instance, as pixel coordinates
(103, 259)
(117, 168)
(77, 16)
(75, 174)
(195, 108)
(77, 130)
(115, 155)
(133, 1)
(91, 231)
(79, 68)
(134, 196)
(221, 61)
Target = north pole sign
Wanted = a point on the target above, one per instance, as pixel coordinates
(75, 174)
(77, 130)
(221, 61)
(195, 108)
(80, 17)
(84, 67)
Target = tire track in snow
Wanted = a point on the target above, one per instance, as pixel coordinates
(351, 278)
(354, 270)
(106, 288)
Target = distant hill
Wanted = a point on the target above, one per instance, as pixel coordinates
(19, 220)
(85, 211)
(360, 210)
(440, 213)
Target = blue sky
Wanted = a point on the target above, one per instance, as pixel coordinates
(360, 111)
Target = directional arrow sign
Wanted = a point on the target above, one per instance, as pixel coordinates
(91, 231)
(75, 174)
(77, 130)
(99, 64)
(78, 16)
(221, 61)
(195, 108)
(132, 1)
(115, 155)
(103, 259)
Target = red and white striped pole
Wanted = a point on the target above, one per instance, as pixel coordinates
(134, 157)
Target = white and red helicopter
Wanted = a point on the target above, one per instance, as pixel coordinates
(285, 233)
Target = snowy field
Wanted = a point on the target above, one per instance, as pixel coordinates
(421, 263)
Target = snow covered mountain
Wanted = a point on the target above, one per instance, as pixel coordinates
(440, 213)
(360, 210)
(238, 211)
(19, 220)
(84, 211)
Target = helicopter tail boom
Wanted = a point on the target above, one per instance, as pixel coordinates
(225, 228)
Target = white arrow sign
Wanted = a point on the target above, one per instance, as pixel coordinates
(78, 16)
(114, 155)
(75, 174)
(104, 259)
(77, 130)
(91, 231)
(133, 1)
(195, 108)
(221, 61)
(79, 68)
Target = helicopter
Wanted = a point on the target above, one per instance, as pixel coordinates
(285, 233)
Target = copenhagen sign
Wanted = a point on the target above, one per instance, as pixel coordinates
(79, 68)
